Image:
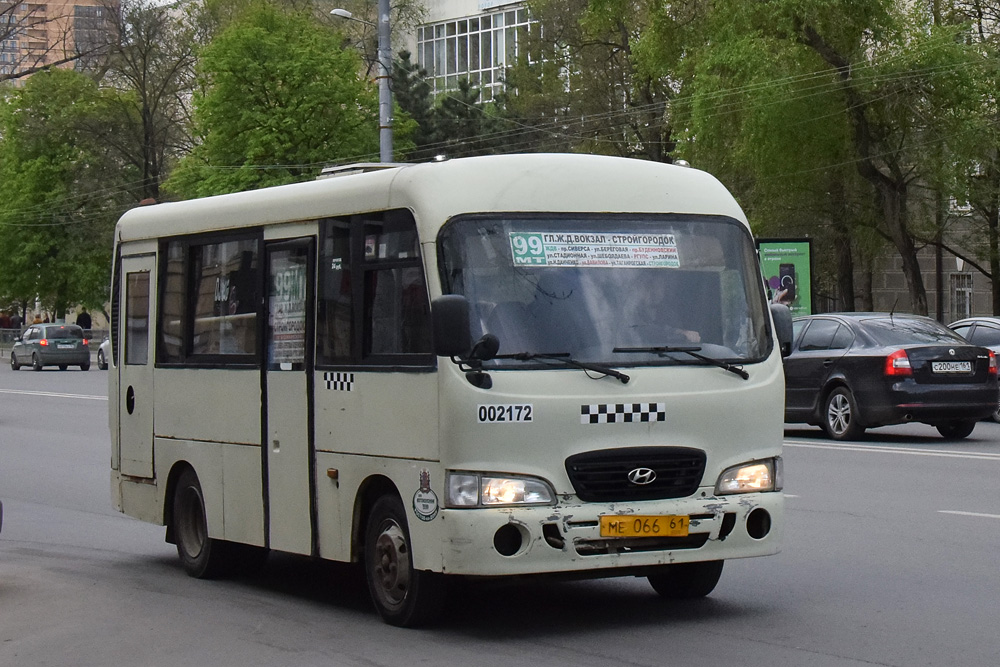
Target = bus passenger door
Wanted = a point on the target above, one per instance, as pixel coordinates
(288, 396)
(134, 365)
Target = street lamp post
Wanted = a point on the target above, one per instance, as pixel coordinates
(384, 73)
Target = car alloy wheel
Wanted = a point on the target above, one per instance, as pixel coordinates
(840, 418)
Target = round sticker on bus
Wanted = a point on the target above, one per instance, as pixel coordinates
(425, 501)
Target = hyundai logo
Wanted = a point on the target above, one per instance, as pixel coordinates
(642, 476)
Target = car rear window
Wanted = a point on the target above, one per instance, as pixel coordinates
(901, 331)
(63, 332)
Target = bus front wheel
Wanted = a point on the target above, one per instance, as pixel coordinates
(402, 595)
(201, 555)
(687, 581)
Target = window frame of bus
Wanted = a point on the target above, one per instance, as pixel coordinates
(187, 358)
(364, 261)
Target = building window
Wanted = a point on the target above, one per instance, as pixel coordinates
(961, 295)
(477, 49)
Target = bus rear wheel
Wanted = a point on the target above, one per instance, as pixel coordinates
(687, 581)
(202, 556)
(402, 595)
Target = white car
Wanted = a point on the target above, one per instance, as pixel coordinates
(103, 353)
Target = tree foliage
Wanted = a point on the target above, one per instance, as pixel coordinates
(61, 189)
(278, 98)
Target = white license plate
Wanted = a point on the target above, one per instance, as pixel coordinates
(68, 346)
(951, 366)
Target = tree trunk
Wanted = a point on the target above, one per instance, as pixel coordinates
(890, 188)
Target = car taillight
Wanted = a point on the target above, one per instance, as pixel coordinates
(43, 342)
(898, 364)
(993, 363)
(86, 342)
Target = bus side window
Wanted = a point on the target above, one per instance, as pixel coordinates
(373, 305)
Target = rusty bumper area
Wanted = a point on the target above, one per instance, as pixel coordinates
(567, 538)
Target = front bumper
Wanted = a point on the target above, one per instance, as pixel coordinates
(566, 538)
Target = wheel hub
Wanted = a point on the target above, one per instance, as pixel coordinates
(839, 413)
(391, 564)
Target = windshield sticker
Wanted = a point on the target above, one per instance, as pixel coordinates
(618, 413)
(594, 250)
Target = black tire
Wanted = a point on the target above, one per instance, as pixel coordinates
(202, 556)
(402, 595)
(840, 415)
(687, 581)
(63, 367)
(14, 366)
(956, 430)
(102, 363)
(85, 367)
(36, 363)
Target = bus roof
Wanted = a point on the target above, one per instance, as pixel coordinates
(437, 191)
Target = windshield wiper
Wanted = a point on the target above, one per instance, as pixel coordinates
(693, 350)
(564, 358)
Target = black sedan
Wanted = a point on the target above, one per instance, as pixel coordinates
(852, 371)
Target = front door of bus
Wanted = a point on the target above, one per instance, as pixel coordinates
(134, 366)
(289, 456)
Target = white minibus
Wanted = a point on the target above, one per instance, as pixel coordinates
(552, 365)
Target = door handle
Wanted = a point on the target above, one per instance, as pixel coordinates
(828, 362)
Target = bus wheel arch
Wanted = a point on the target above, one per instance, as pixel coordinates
(203, 557)
(402, 595)
(369, 492)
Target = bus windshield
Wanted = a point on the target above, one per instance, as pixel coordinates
(621, 290)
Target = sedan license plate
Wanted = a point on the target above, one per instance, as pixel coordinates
(66, 346)
(636, 525)
(951, 366)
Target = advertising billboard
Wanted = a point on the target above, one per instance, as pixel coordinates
(787, 268)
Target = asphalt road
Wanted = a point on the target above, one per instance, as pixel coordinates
(892, 557)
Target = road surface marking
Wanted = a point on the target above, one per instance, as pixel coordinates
(979, 514)
(876, 449)
(53, 394)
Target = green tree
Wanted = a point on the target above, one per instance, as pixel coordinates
(794, 90)
(580, 83)
(61, 192)
(279, 97)
(150, 65)
(413, 95)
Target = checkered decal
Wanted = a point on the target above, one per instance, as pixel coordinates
(623, 412)
(339, 381)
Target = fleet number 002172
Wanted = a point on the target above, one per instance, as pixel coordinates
(631, 525)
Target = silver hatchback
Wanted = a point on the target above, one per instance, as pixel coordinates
(61, 345)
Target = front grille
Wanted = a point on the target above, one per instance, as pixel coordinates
(602, 475)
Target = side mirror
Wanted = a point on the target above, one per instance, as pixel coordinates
(450, 320)
(782, 317)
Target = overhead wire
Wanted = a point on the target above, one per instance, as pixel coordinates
(570, 128)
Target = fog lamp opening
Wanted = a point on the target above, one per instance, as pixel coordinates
(759, 523)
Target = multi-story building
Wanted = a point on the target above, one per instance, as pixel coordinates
(60, 33)
(468, 39)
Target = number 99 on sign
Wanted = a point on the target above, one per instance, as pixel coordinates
(527, 248)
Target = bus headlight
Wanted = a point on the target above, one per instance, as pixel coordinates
(467, 489)
(753, 477)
